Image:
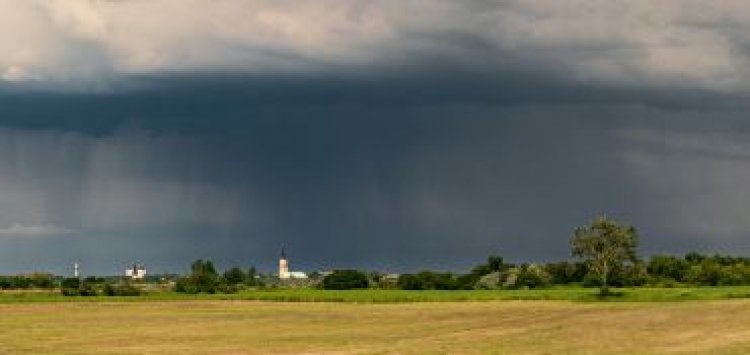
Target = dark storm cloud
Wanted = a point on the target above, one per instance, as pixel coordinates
(230, 171)
(372, 138)
(229, 100)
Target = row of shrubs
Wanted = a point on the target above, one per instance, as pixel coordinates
(660, 271)
(525, 276)
(77, 287)
(204, 278)
(34, 280)
(696, 269)
(693, 269)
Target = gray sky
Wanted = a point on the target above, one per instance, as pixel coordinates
(397, 135)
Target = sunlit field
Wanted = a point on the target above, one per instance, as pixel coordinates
(398, 296)
(499, 327)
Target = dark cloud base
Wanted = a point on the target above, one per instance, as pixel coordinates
(395, 172)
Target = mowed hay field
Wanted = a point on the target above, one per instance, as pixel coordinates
(494, 327)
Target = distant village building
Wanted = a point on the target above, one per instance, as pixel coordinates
(391, 277)
(297, 275)
(136, 272)
(283, 265)
(284, 272)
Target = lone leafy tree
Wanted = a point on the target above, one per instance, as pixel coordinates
(606, 246)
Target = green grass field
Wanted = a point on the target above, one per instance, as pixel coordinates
(399, 296)
(251, 327)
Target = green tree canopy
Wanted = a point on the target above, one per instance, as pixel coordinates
(235, 276)
(203, 278)
(606, 246)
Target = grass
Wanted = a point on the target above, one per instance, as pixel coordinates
(247, 327)
(401, 296)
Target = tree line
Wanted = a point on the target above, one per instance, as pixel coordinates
(204, 278)
(39, 280)
(604, 255)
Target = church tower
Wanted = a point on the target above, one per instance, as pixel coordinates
(283, 265)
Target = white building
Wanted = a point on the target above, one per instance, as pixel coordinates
(284, 272)
(136, 272)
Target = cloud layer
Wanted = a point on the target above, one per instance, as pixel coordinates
(25, 231)
(366, 134)
(396, 188)
(89, 44)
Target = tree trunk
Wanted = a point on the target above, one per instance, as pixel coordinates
(604, 289)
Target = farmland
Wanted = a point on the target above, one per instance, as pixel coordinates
(577, 294)
(500, 327)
